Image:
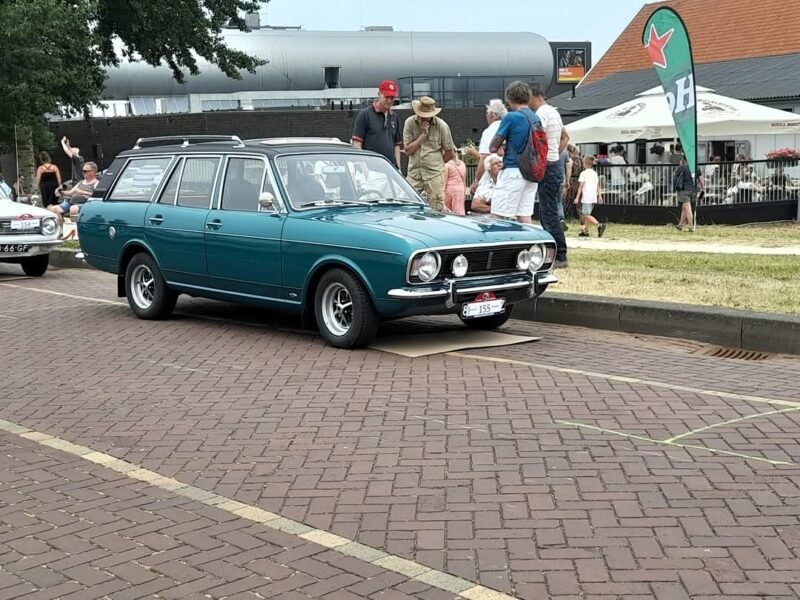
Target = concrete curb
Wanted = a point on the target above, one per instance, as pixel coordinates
(64, 258)
(727, 327)
(764, 332)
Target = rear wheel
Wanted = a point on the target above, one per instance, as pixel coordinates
(35, 266)
(345, 315)
(488, 323)
(147, 292)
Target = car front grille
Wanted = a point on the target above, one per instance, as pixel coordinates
(493, 261)
(487, 261)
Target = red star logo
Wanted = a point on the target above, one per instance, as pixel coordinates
(656, 45)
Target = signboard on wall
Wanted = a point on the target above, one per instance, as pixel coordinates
(571, 64)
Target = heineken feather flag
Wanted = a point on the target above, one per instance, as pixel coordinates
(667, 43)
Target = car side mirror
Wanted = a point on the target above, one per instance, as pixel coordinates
(267, 203)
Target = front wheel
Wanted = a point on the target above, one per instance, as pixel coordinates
(488, 323)
(147, 292)
(35, 266)
(345, 315)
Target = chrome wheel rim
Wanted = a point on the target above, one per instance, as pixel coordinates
(337, 309)
(143, 286)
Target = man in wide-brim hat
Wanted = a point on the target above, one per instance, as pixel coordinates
(429, 145)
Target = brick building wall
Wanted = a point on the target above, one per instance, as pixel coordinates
(101, 140)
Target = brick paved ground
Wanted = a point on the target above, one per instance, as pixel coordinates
(486, 470)
(73, 530)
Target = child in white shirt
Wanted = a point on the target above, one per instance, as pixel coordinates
(589, 194)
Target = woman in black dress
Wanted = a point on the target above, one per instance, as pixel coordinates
(48, 179)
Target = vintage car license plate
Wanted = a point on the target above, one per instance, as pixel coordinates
(9, 248)
(25, 225)
(483, 308)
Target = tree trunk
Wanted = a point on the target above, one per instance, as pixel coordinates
(26, 164)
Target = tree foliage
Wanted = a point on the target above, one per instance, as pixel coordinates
(53, 53)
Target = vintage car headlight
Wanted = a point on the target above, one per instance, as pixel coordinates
(523, 260)
(537, 256)
(49, 226)
(426, 267)
(460, 265)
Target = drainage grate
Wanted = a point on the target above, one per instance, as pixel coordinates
(734, 353)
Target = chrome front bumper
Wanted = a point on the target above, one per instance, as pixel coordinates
(36, 248)
(449, 288)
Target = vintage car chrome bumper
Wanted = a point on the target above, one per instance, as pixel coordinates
(450, 289)
(23, 247)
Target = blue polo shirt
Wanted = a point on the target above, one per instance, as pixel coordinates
(515, 128)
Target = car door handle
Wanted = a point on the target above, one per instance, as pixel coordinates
(157, 220)
(215, 224)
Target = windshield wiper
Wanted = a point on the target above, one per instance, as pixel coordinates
(332, 203)
(393, 201)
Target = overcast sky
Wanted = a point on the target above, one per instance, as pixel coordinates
(557, 20)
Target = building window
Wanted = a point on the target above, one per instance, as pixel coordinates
(332, 77)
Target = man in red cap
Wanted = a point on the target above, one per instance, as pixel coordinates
(377, 127)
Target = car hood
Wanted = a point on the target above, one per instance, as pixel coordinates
(12, 210)
(432, 229)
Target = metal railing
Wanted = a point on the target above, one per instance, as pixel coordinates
(741, 182)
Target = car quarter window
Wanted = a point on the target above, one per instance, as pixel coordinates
(197, 182)
(140, 179)
(242, 184)
(170, 191)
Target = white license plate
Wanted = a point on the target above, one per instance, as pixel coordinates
(14, 248)
(483, 309)
(27, 225)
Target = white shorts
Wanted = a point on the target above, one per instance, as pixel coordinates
(513, 195)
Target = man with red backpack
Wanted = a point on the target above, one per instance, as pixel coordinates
(551, 184)
(514, 196)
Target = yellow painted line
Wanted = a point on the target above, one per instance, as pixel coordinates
(674, 444)
(457, 586)
(731, 422)
(635, 380)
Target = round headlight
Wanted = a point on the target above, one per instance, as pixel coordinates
(428, 266)
(537, 256)
(49, 226)
(523, 260)
(460, 265)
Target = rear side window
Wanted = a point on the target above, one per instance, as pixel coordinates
(140, 179)
(170, 191)
(197, 182)
(243, 184)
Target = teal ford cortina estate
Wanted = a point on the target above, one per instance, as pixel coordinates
(314, 227)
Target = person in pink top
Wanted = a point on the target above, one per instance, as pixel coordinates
(455, 186)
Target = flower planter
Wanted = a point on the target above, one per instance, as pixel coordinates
(776, 163)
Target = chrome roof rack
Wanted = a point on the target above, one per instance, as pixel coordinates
(185, 140)
(300, 140)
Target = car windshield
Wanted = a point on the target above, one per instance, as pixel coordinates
(344, 179)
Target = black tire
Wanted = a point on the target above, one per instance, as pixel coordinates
(153, 301)
(488, 323)
(35, 266)
(345, 329)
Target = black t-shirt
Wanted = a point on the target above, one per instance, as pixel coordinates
(378, 132)
(77, 168)
(682, 180)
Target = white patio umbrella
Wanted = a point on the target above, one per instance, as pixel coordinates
(648, 117)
